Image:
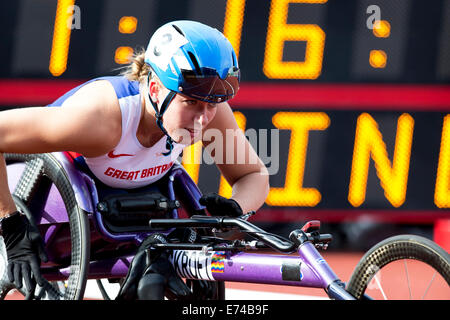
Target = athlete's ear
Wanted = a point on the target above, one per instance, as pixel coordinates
(154, 90)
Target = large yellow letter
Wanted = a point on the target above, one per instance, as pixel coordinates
(293, 193)
(442, 191)
(369, 143)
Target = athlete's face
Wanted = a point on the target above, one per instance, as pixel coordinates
(186, 118)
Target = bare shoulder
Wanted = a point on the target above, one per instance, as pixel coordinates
(88, 122)
(95, 97)
(96, 107)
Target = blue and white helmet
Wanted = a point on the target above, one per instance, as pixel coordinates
(195, 60)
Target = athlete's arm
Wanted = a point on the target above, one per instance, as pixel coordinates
(88, 123)
(249, 178)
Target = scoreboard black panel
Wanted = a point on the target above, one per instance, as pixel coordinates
(277, 40)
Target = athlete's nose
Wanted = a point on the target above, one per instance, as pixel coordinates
(202, 116)
(203, 119)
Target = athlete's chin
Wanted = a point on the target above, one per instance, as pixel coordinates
(186, 136)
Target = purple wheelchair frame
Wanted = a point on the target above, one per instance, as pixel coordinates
(208, 262)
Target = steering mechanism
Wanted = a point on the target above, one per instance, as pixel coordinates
(310, 232)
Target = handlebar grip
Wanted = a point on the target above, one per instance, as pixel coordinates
(326, 237)
(146, 204)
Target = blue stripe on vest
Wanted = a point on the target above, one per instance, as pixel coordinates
(122, 86)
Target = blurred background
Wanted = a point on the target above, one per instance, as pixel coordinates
(358, 89)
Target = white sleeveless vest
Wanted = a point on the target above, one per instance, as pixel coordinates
(131, 165)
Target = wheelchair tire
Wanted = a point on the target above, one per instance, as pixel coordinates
(39, 167)
(403, 247)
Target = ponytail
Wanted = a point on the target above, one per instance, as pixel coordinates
(137, 70)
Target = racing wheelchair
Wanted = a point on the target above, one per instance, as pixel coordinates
(88, 236)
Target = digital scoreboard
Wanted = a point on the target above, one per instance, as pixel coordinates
(276, 40)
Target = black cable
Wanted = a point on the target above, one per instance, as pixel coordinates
(102, 290)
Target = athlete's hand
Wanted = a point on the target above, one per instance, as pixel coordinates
(128, 290)
(160, 279)
(220, 206)
(25, 250)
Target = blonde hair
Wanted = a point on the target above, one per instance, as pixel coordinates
(137, 70)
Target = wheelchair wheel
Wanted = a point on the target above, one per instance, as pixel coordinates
(400, 268)
(41, 174)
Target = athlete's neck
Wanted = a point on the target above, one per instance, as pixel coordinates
(148, 132)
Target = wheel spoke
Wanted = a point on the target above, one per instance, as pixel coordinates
(429, 285)
(407, 279)
(380, 287)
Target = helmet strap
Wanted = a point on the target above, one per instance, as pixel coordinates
(159, 112)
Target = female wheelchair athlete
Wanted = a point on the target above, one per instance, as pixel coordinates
(86, 238)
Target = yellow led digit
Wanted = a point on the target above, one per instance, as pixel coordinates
(61, 37)
(191, 160)
(278, 32)
(442, 190)
(369, 143)
(293, 193)
(234, 17)
(224, 187)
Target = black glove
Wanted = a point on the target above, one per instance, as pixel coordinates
(160, 278)
(220, 206)
(151, 274)
(128, 290)
(25, 250)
